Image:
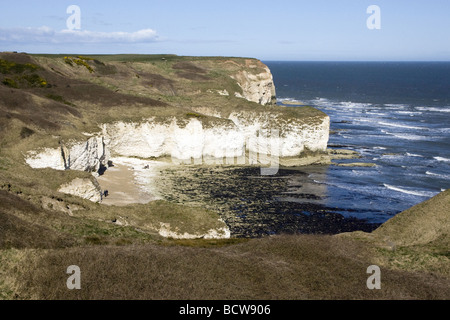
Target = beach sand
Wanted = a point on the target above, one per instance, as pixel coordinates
(123, 189)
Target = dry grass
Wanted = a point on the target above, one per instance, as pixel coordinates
(434, 226)
(118, 262)
(281, 268)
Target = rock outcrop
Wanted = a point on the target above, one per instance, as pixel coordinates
(89, 156)
(83, 188)
(258, 87)
(218, 233)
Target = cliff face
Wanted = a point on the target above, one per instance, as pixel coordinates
(78, 113)
(89, 156)
(83, 188)
(181, 141)
(200, 110)
(257, 87)
(242, 133)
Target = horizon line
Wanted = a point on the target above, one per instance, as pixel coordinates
(231, 56)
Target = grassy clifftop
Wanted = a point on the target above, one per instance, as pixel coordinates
(66, 95)
(416, 240)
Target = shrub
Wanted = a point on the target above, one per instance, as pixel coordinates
(35, 80)
(194, 115)
(26, 132)
(81, 61)
(58, 99)
(68, 61)
(10, 83)
(7, 67)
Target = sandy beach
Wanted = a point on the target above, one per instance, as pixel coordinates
(130, 181)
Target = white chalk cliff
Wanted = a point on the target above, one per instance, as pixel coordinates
(231, 138)
(87, 155)
(257, 88)
(83, 188)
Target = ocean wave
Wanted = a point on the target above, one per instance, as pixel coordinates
(396, 106)
(376, 114)
(280, 100)
(410, 113)
(384, 156)
(348, 105)
(418, 193)
(413, 155)
(362, 172)
(373, 122)
(397, 125)
(355, 188)
(442, 159)
(444, 130)
(438, 175)
(319, 101)
(434, 109)
(406, 136)
(354, 105)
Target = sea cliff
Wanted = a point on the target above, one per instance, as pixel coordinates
(83, 112)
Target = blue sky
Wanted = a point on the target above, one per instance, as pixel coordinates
(267, 30)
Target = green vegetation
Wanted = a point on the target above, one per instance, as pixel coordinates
(23, 74)
(26, 132)
(4, 163)
(80, 61)
(58, 98)
(8, 67)
(10, 83)
(194, 115)
(281, 268)
(34, 80)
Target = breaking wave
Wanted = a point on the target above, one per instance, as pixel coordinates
(438, 175)
(433, 109)
(418, 193)
(397, 125)
(442, 159)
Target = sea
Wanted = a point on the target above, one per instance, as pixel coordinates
(395, 114)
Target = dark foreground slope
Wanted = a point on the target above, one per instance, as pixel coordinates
(278, 267)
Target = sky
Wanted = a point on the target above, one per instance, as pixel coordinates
(297, 30)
